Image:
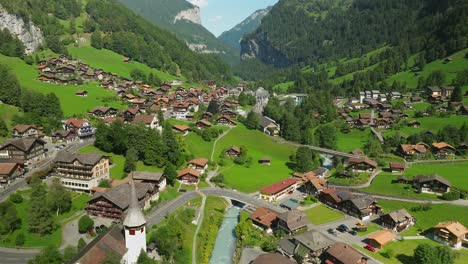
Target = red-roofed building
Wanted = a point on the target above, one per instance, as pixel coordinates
(9, 171)
(278, 190)
(22, 131)
(264, 219)
(199, 164)
(81, 127)
(181, 129)
(189, 176)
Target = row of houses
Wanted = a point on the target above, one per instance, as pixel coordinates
(440, 150)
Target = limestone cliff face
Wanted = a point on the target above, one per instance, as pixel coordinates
(260, 47)
(28, 33)
(192, 15)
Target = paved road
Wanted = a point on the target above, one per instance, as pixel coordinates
(357, 186)
(199, 224)
(320, 150)
(14, 256)
(216, 141)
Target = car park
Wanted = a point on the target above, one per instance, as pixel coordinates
(343, 228)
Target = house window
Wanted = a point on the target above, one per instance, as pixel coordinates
(132, 232)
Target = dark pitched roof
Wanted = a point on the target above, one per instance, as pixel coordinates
(314, 240)
(427, 178)
(294, 219)
(272, 258)
(86, 159)
(147, 176)
(23, 144)
(363, 202)
(23, 128)
(345, 253)
(119, 195)
(399, 215)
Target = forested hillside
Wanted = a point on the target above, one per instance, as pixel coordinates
(117, 28)
(163, 13)
(311, 31)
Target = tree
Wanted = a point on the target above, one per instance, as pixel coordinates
(10, 90)
(305, 160)
(85, 223)
(9, 219)
(326, 136)
(48, 255)
(457, 95)
(20, 239)
(81, 245)
(105, 184)
(40, 219)
(58, 198)
(170, 173)
(426, 253)
(373, 147)
(16, 198)
(131, 158)
(96, 40)
(436, 78)
(462, 77)
(138, 75)
(3, 128)
(173, 153)
(252, 121)
(69, 253)
(213, 107)
(144, 259)
(72, 27)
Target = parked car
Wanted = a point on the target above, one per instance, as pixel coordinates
(370, 248)
(354, 233)
(343, 228)
(332, 231)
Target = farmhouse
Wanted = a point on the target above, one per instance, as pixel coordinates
(206, 115)
(102, 112)
(441, 150)
(308, 245)
(397, 167)
(361, 165)
(381, 238)
(157, 179)
(225, 120)
(333, 198)
(199, 164)
(203, 123)
(272, 258)
(264, 218)
(362, 207)
(451, 233)
(130, 113)
(63, 136)
(233, 151)
(269, 126)
(81, 172)
(397, 221)
(278, 190)
(189, 176)
(25, 149)
(417, 150)
(81, 93)
(114, 203)
(431, 184)
(265, 161)
(341, 253)
(10, 171)
(181, 129)
(292, 221)
(22, 131)
(150, 121)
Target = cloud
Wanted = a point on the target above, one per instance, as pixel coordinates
(200, 3)
(215, 19)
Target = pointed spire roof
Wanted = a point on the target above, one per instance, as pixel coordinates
(134, 216)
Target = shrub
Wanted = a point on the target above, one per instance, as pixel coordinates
(84, 224)
(20, 239)
(451, 196)
(105, 184)
(16, 198)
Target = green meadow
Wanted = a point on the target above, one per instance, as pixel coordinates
(71, 104)
(256, 176)
(353, 140)
(322, 214)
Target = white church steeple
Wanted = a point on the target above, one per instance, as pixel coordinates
(135, 228)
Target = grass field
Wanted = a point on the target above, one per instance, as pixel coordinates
(427, 219)
(404, 251)
(433, 124)
(7, 112)
(71, 104)
(113, 62)
(258, 145)
(353, 140)
(117, 170)
(456, 173)
(371, 228)
(32, 240)
(212, 219)
(322, 214)
(360, 179)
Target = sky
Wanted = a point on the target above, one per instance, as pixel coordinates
(221, 15)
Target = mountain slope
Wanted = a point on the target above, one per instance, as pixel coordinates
(309, 31)
(234, 36)
(183, 19)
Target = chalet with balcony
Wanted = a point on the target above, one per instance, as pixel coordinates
(397, 221)
(23, 131)
(150, 121)
(292, 221)
(341, 253)
(206, 115)
(189, 176)
(361, 165)
(451, 233)
(114, 203)
(225, 120)
(180, 110)
(27, 150)
(233, 151)
(442, 150)
(157, 179)
(10, 171)
(130, 114)
(397, 167)
(431, 184)
(103, 112)
(265, 219)
(203, 124)
(415, 151)
(279, 190)
(199, 164)
(362, 207)
(82, 128)
(269, 126)
(333, 197)
(309, 245)
(81, 172)
(64, 136)
(272, 258)
(435, 93)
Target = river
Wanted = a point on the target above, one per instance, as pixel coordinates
(226, 239)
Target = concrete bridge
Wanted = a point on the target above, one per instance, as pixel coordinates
(163, 210)
(320, 150)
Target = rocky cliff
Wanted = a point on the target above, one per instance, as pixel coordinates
(192, 15)
(28, 33)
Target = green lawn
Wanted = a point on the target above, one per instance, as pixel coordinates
(404, 250)
(353, 140)
(455, 172)
(71, 104)
(251, 179)
(430, 123)
(322, 214)
(427, 219)
(7, 112)
(32, 240)
(212, 220)
(360, 179)
(113, 62)
(371, 228)
(117, 169)
(170, 193)
(198, 147)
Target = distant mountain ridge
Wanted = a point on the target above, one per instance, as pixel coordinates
(183, 19)
(234, 36)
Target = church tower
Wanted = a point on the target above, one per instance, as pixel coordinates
(135, 228)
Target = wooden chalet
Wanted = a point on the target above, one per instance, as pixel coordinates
(431, 184)
(341, 253)
(397, 167)
(189, 176)
(199, 164)
(10, 171)
(361, 165)
(102, 112)
(397, 221)
(264, 218)
(181, 129)
(23, 131)
(442, 150)
(81, 93)
(451, 233)
(233, 151)
(380, 238)
(225, 120)
(25, 149)
(203, 124)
